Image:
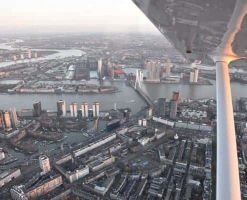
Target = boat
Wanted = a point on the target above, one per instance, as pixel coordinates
(85, 134)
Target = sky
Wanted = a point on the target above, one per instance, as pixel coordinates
(72, 16)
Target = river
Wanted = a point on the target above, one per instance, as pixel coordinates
(60, 54)
(126, 97)
(165, 90)
(192, 91)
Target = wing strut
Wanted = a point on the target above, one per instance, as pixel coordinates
(228, 186)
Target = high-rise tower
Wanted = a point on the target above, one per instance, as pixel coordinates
(61, 108)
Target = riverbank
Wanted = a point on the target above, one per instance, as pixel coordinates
(58, 89)
(200, 82)
(19, 55)
(58, 55)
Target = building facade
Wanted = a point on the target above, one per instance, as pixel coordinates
(61, 108)
(44, 164)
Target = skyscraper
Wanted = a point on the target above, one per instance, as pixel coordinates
(153, 71)
(73, 110)
(161, 106)
(167, 68)
(36, 54)
(194, 74)
(61, 108)
(22, 56)
(191, 76)
(150, 113)
(173, 109)
(84, 110)
(100, 68)
(176, 96)
(110, 69)
(13, 117)
(96, 109)
(15, 58)
(7, 121)
(44, 164)
(174, 104)
(29, 53)
(2, 126)
(37, 109)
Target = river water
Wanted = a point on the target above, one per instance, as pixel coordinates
(59, 54)
(192, 91)
(165, 90)
(126, 97)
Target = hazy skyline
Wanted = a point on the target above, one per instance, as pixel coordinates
(72, 16)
